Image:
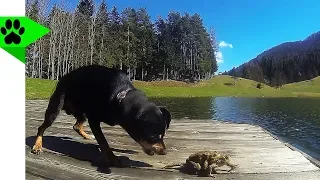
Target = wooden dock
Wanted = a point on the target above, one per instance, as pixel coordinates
(66, 155)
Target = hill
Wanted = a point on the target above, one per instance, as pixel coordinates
(310, 88)
(218, 86)
(310, 43)
(286, 63)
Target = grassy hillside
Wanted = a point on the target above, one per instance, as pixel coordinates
(39, 88)
(218, 86)
(310, 88)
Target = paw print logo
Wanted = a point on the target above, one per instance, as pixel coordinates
(12, 32)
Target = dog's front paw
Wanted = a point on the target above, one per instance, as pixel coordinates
(114, 161)
(92, 137)
(36, 149)
(120, 161)
(88, 137)
(117, 163)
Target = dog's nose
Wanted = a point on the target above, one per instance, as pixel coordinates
(162, 152)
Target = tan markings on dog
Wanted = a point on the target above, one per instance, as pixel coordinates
(37, 148)
(164, 151)
(205, 162)
(78, 127)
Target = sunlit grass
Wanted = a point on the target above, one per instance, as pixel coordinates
(217, 86)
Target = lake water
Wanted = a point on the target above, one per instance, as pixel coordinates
(294, 120)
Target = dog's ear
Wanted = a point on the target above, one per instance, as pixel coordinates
(146, 115)
(166, 115)
(141, 115)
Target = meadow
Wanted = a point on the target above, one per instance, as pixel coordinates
(219, 86)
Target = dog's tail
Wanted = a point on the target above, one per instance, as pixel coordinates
(57, 99)
(172, 165)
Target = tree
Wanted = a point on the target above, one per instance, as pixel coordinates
(130, 22)
(86, 7)
(176, 47)
(117, 38)
(84, 20)
(147, 40)
(163, 45)
(101, 35)
(32, 13)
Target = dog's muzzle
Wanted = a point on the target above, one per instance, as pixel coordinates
(151, 149)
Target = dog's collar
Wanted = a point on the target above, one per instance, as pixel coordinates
(121, 95)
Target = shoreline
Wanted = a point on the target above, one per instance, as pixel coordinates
(217, 87)
(247, 97)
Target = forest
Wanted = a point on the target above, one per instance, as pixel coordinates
(286, 63)
(176, 47)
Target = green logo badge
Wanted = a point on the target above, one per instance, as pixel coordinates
(16, 33)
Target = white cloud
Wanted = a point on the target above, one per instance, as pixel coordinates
(219, 57)
(223, 44)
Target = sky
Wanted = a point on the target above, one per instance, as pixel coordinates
(244, 28)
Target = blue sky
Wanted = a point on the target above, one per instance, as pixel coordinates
(244, 28)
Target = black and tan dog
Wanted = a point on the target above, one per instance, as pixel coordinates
(102, 94)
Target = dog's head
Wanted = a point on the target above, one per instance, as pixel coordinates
(149, 127)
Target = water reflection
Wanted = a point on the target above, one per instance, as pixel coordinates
(189, 108)
(296, 121)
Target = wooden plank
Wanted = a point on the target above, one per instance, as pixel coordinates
(254, 150)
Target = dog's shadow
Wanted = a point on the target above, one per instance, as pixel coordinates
(84, 152)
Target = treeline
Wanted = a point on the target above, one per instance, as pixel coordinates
(178, 47)
(279, 70)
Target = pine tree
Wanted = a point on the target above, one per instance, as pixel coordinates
(130, 23)
(146, 41)
(32, 13)
(213, 51)
(174, 48)
(84, 12)
(117, 38)
(102, 47)
(86, 7)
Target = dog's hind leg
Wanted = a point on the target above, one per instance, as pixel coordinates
(78, 126)
(53, 110)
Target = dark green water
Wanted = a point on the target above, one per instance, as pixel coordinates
(294, 120)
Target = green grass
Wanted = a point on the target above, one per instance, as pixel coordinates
(39, 88)
(214, 87)
(218, 86)
(308, 88)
